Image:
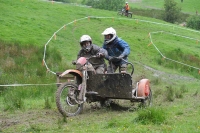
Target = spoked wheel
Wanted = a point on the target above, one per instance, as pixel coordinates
(129, 15)
(66, 99)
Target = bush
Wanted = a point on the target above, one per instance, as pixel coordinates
(194, 22)
(172, 11)
(170, 94)
(113, 5)
(151, 116)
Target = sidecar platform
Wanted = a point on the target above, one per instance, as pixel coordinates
(116, 85)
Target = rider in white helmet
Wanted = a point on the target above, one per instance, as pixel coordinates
(118, 51)
(88, 49)
(86, 43)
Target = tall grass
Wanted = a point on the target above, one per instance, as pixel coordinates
(151, 116)
(23, 65)
(180, 56)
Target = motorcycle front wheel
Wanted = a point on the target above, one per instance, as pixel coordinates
(66, 99)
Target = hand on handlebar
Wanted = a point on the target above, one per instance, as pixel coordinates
(110, 58)
(99, 55)
(120, 57)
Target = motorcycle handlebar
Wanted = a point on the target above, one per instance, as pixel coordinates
(131, 66)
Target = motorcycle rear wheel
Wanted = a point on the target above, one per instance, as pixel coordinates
(66, 99)
(130, 15)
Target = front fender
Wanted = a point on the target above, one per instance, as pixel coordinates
(76, 75)
(71, 71)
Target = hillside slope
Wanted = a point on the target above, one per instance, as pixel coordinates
(59, 26)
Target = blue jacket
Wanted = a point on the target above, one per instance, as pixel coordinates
(116, 48)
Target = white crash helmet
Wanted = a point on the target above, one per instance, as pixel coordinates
(126, 2)
(83, 39)
(109, 31)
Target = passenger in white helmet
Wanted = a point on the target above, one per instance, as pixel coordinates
(118, 51)
(88, 49)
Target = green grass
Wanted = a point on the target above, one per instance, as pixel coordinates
(151, 116)
(26, 26)
(188, 6)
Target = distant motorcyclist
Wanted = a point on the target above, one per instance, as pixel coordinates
(127, 8)
(88, 50)
(118, 51)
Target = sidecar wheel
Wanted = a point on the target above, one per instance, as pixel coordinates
(66, 99)
(144, 90)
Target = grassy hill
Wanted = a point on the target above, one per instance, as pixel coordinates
(27, 25)
(186, 6)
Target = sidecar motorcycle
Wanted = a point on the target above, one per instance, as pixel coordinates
(77, 86)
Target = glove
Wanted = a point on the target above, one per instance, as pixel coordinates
(73, 62)
(120, 57)
(99, 55)
(110, 58)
